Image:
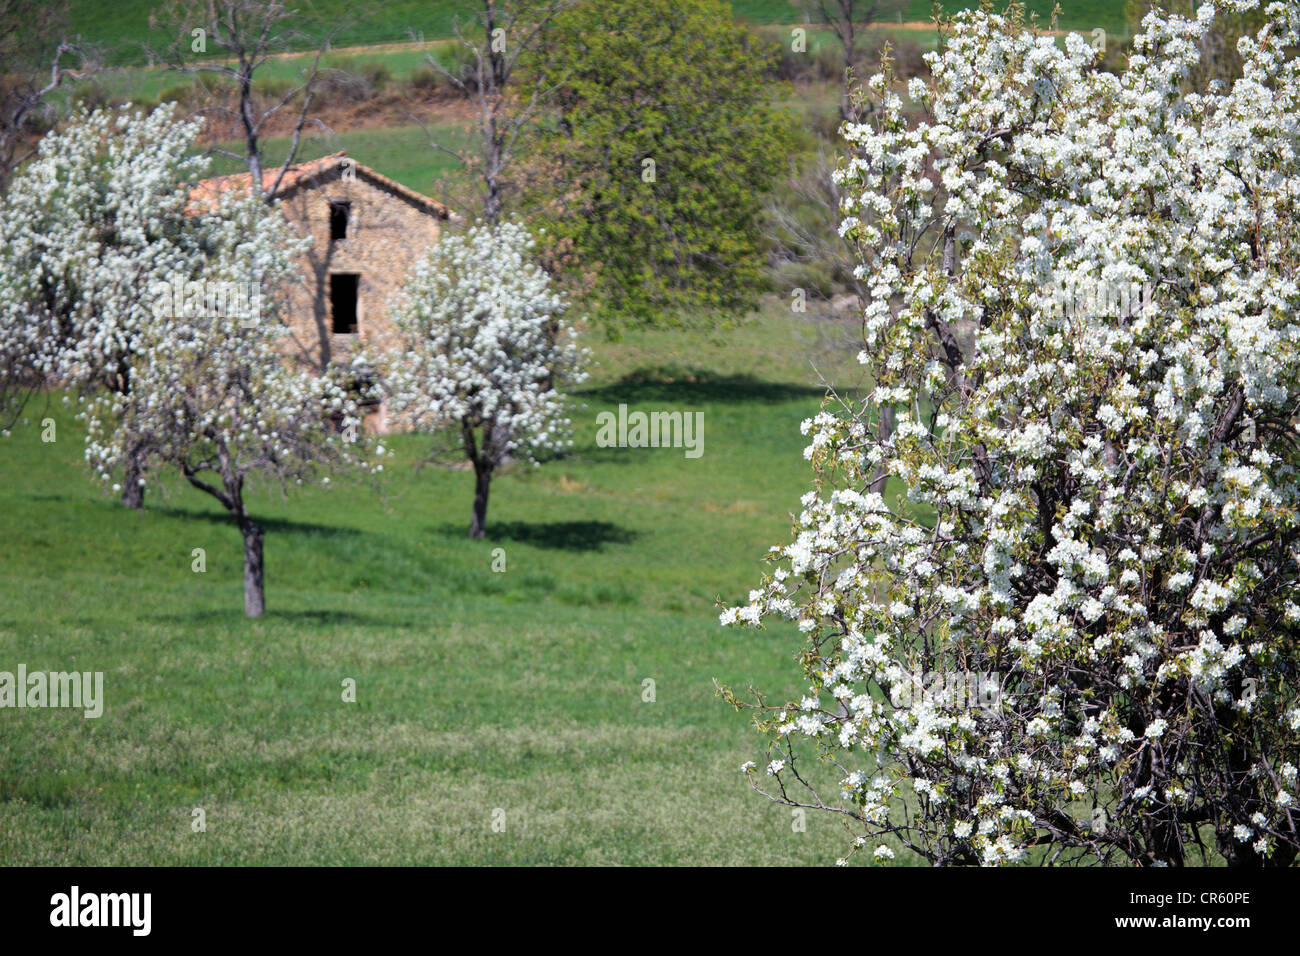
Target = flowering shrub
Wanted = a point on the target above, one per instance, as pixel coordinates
(482, 340)
(1101, 508)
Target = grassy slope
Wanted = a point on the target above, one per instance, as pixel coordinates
(399, 152)
(477, 690)
(122, 25)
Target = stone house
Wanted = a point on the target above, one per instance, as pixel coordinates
(366, 232)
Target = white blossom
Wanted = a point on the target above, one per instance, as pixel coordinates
(1092, 520)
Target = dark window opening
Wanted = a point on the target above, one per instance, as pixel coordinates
(343, 302)
(340, 215)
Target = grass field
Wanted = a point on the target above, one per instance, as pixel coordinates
(476, 690)
(400, 152)
(123, 26)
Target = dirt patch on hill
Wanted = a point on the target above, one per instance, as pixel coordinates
(404, 108)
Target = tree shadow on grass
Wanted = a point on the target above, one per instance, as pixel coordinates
(554, 535)
(269, 525)
(191, 513)
(646, 385)
(232, 616)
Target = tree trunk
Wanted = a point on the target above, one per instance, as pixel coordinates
(132, 488)
(482, 479)
(133, 491)
(233, 500)
(254, 572)
(1164, 845)
(881, 476)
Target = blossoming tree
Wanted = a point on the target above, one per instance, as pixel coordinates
(481, 341)
(93, 224)
(1096, 522)
(217, 397)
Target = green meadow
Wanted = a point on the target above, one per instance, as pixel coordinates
(122, 27)
(402, 153)
(561, 711)
(520, 693)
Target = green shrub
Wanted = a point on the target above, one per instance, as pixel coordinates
(426, 79)
(271, 87)
(177, 93)
(376, 74)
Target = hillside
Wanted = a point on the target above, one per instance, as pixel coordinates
(123, 25)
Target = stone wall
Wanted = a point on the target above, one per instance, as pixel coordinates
(386, 233)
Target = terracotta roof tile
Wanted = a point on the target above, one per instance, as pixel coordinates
(207, 192)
